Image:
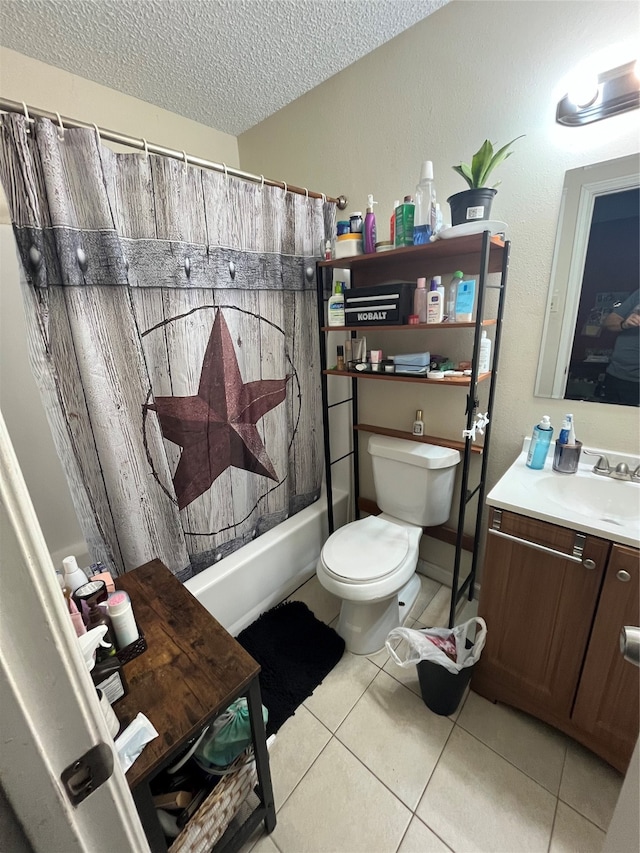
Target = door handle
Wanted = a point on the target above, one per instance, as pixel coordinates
(623, 576)
(587, 563)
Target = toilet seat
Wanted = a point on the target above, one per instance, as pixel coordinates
(366, 551)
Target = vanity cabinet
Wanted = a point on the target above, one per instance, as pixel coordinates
(478, 255)
(554, 601)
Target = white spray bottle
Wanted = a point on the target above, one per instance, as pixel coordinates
(89, 642)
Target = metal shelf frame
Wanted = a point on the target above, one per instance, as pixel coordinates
(488, 255)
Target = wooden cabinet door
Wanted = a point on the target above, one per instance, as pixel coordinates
(538, 608)
(607, 705)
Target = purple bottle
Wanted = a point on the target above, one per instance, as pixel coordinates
(369, 233)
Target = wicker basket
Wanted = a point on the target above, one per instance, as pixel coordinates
(212, 818)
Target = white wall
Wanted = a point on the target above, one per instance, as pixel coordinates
(470, 71)
(40, 85)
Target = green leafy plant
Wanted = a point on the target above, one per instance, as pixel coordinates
(483, 163)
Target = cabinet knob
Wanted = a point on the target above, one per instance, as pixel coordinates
(623, 576)
(589, 563)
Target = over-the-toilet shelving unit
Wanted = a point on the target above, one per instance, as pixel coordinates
(478, 255)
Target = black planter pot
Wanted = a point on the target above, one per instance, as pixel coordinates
(471, 205)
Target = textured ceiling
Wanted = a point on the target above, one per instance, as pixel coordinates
(226, 63)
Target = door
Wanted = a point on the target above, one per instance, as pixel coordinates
(50, 715)
(607, 705)
(538, 606)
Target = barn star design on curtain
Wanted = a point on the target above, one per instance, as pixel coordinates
(216, 428)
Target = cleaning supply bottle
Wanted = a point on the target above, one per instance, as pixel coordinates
(418, 424)
(424, 221)
(369, 235)
(335, 308)
(436, 284)
(540, 441)
(73, 574)
(420, 300)
(484, 359)
(452, 295)
(108, 675)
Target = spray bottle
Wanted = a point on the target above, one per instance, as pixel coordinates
(107, 675)
(369, 236)
(89, 642)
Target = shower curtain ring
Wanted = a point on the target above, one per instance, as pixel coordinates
(184, 155)
(324, 198)
(306, 192)
(145, 147)
(285, 187)
(224, 166)
(261, 182)
(26, 115)
(95, 127)
(61, 126)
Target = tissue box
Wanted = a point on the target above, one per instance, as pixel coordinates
(412, 362)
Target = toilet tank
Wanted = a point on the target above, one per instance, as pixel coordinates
(413, 480)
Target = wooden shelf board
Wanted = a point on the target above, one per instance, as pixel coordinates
(460, 381)
(460, 253)
(425, 439)
(442, 533)
(429, 327)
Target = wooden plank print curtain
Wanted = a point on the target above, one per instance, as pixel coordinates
(173, 332)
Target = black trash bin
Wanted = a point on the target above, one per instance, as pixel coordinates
(442, 690)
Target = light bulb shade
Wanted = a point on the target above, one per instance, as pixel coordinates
(618, 91)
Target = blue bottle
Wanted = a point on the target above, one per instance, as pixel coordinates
(540, 441)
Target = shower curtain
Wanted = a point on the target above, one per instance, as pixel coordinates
(173, 333)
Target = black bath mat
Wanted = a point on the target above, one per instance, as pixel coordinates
(296, 651)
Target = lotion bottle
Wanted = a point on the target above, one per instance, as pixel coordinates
(540, 441)
(335, 308)
(434, 304)
(418, 424)
(484, 359)
(73, 574)
(369, 236)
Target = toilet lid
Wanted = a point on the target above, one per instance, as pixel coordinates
(366, 550)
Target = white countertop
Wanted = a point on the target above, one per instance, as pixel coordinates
(583, 501)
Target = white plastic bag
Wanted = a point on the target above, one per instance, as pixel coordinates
(419, 647)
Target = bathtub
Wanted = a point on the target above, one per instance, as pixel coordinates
(243, 585)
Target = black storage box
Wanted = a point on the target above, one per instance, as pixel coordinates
(385, 304)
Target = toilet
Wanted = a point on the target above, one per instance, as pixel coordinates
(370, 564)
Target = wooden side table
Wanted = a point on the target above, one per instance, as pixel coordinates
(191, 672)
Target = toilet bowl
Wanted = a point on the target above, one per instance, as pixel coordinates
(370, 564)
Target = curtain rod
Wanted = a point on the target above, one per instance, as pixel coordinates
(142, 144)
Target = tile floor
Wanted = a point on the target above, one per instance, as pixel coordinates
(364, 765)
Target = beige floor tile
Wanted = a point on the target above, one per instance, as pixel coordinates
(341, 689)
(477, 801)
(321, 603)
(263, 844)
(396, 736)
(533, 747)
(436, 613)
(573, 833)
(297, 745)
(589, 785)
(340, 807)
(420, 839)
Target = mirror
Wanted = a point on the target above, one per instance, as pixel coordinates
(594, 275)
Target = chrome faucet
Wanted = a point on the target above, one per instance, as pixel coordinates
(620, 472)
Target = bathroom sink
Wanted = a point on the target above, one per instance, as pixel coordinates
(612, 501)
(583, 501)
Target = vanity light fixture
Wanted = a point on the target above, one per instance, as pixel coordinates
(616, 91)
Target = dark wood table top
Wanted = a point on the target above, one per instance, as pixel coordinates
(192, 669)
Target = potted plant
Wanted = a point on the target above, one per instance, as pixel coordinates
(475, 203)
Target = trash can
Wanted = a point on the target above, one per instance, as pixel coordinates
(442, 690)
